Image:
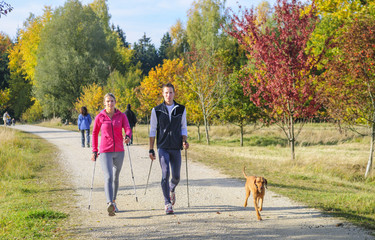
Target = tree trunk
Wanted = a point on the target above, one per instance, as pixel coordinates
(241, 141)
(369, 163)
(199, 132)
(292, 138)
(206, 128)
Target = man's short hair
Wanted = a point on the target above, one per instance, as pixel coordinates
(169, 85)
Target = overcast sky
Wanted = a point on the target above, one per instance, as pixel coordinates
(135, 17)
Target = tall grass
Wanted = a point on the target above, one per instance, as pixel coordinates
(30, 188)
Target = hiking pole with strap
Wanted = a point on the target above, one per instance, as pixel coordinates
(149, 172)
(92, 183)
(131, 168)
(187, 178)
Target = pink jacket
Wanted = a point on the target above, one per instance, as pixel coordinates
(111, 132)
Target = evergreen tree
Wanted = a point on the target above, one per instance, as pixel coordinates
(145, 53)
(121, 35)
(165, 49)
(5, 44)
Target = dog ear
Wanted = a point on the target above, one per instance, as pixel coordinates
(255, 181)
(265, 182)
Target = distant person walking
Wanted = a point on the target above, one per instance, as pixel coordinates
(110, 122)
(84, 122)
(131, 118)
(6, 118)
(168, 123)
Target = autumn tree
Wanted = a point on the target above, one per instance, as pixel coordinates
(4, 99)
(180, 44)
(333, 14)
(92, 99)
(149, 93)
(23, 56)
(206, 78)
(350, 76)
(23, 60)
(282, 83)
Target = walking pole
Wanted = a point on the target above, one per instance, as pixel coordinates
(92, 184)
(149, 172)
(187, 178)
(131, 168)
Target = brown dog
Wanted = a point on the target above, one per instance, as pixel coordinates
(256, 186)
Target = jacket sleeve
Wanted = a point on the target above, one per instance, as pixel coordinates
(79, 121)
(90, 120)
(95, 133)
(126, 126)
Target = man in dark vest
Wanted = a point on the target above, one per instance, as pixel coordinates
(168, 124)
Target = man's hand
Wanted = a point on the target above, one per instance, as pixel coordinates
(152, 154)
(185, 145)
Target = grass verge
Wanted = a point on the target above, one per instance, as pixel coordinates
(34, 198)
(328, 173)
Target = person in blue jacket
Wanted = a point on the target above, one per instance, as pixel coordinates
(84, 122)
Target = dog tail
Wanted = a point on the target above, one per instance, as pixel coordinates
(243, 171)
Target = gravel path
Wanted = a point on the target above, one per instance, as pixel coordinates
(216, 202)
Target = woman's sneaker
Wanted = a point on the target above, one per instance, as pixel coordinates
(168, 209)
(173, 197)
(111, 209)
(116, 209)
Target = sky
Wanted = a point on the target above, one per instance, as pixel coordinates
(135, 17)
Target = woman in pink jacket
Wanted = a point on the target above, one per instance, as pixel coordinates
(110, 121)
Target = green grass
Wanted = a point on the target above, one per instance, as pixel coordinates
(328, 172)
(32, 190)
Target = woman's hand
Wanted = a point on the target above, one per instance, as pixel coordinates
(94, 156)
(126, 139)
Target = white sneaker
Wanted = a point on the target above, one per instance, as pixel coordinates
(111, 209)
(173, 197)
(168, 209)
(115, 205)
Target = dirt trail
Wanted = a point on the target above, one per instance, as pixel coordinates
(215, 211)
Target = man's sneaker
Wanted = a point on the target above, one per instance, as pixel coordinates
(111, 209)
(168, 209)
(116, 209)
(173, 197)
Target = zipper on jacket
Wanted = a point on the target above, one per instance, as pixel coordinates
(113, 135)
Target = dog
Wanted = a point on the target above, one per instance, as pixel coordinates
(257, 186)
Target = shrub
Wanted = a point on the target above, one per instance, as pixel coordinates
(33, 114)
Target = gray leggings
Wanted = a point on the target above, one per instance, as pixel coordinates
(111, 163)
